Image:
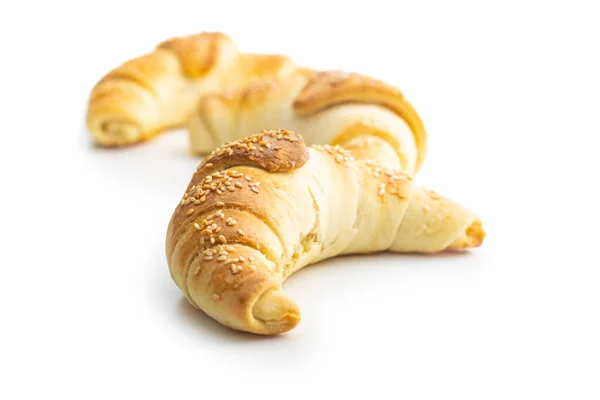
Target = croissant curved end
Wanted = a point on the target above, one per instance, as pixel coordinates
(115, 133)
(277, 311)
(473, 237)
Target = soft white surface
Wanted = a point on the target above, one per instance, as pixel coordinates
(509, 95)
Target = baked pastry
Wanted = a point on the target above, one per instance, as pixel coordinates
(329, 107)
(223, 94)
(157, 91)
(262, 207)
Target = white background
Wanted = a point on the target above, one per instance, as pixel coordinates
(509, 93)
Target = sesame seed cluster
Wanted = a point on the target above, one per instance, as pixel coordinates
(225, 254)
(340, 155)
(218, 229)
(258, 142)
(219, 182)
(395, 182)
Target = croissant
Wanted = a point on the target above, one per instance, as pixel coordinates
(159, 90)
(222, 94)
(262, 207)
(329, 107)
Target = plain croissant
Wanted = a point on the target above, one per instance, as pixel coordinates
(222, 94)
(262, 207)
(157, 91)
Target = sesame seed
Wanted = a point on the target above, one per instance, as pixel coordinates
(196, 225)
(228, 183)
(219, 192)
(241, 232)
(230, 188)
(222, 258)
(228, 219)
(197, 271)
(238, 185)
(230, 248)
(242, 259)
(197, 202)
(208, 258)
(222, 239)
(212, 240)
(216, 296)
(232, 222)
(203, 198)
(426, 208)
(247, 178)
(202, 240)
(190, 211)
(255, 190)
(209, 164)
(220, 204)
(251, 258)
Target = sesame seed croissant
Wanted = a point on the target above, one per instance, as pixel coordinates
(262, 207)
(157, 91)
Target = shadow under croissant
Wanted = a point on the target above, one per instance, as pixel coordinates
(206, 325)
(300, 280)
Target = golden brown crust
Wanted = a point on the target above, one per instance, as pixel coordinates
(330, 88)
(222, 247)
(239, 194)
(198, 54)
(265, 65)
(273, 151)
(141, 70)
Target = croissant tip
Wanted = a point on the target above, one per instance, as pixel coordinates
(277, 311)
(474, 236)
